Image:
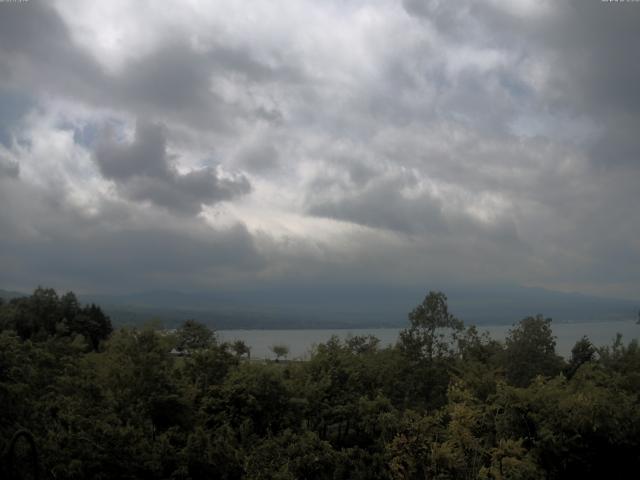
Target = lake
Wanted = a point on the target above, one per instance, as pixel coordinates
(300, 342)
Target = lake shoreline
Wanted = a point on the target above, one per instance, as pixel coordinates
(301, 341)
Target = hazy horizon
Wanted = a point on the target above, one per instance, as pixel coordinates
(312, 307)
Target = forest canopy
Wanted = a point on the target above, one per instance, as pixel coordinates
(446, 401)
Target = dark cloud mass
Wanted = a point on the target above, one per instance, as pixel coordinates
(383, 205)
(38, 54)
(118, 250)
(143, 171)
(383, 141)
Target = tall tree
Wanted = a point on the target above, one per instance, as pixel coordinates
(92, 323)
(240, 348)
(582, 352)
(194, 336)
(530, 351)
(433, 330)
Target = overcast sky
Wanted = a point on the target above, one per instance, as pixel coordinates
(204, 145)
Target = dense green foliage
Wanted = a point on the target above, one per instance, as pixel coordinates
(446, 402)
(44, 315)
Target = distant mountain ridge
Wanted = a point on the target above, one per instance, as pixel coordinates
(8, 295)
(335, 307)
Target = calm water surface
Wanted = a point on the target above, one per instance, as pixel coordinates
(301, 342)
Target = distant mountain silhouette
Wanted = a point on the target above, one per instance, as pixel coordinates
(342, 307)
(8, 295)
(348, 307)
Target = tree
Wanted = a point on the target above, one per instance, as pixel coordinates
(194, 336)
(92, 323)
(137, 370)
(362, 344)
(510, 460)
(43, 315)
(279, 351)
(582, 352)
(45, 306)
(433, 329)
(36, 316)
(429, 348)
(290, 456)
(240, 348)
(69, 305)
(623, 359)
(253, 399)
(479, 362)
(210, 366)
(530, 351)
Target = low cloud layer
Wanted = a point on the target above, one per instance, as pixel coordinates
(383, 142)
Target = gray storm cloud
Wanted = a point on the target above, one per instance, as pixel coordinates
(386, 141)
(143, 171)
